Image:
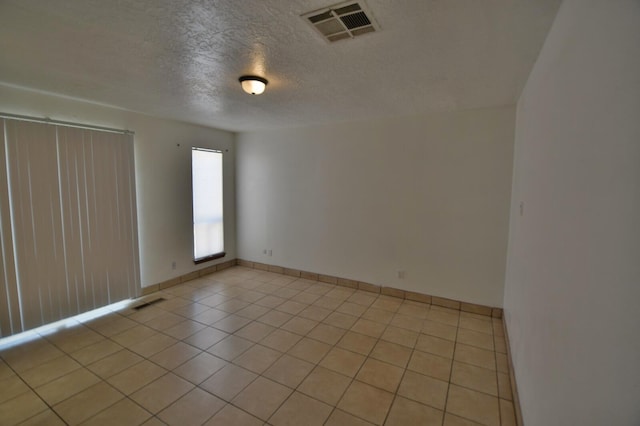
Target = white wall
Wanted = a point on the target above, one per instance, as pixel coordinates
(163, 175)
(573, 277)
(428, 195)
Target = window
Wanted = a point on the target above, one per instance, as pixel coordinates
(208, 224)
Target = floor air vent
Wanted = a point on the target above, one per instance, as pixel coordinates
(149, 303)
(342, 21)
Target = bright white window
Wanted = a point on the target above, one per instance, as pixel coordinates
(208, 224)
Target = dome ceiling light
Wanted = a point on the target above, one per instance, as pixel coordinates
(252, 84)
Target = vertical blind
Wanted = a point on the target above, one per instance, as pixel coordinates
(68, 214)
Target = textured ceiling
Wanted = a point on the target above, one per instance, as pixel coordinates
(182, 59)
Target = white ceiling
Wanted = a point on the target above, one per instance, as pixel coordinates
(181, 59)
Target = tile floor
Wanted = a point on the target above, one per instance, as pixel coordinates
(246, 347)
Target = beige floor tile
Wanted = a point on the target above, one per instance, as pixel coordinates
(164, 321)
(31, 355)
(473, 405)
(113, 364)
(405, 412)
(325, 385)
(136, 376)
(123, 413)
(21, 408)
(357, 342)
(95, 352)
(257, 359)
(507, 413)
(191, 310)
(378, 315)
(407, 322)
(452, 420)
(87, 403)
(299, 409)
(368, 328)
(253, 311)
(134, 335)
(424, 389)
(476, 378)
(386, 303)
(228, 382)
(484, 326)
(340, 418)
(291, 307)
(327, 333)
(340, 293)
(380, 374)
(205, 338)
(435, 345)
(475, 356)
(475, 338)
(232, 306)
(448, 318)
(231, 415)
(255, 331)
(366, 402)
(231, 324)
(76, 341)
(11, 387)
(280, 340)
(300, 325)
(363, 298)
(309, 350)
(161, 393)
(275, 318)
(327, 303)
(116, 326)
(342, 361)
(193, 409)
(184, 329)
(315, 313)
(289, 371)
(437, 329)
(230, 347)
(153, 345)
(341, 320)
(391, 353)
(5, 370)
(200, 367)
(414, 309)
(67, 385)
(271, 301)
(210, 316)
(44, 418)
(504, 386)
(286, 293)
(305, 297)
(214, 300)
(400, 336)
(49, 371)
(175, 355)
(351, 309)
(262, 397)
(430, 365)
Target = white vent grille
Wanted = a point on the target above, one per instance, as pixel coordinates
(342, 21)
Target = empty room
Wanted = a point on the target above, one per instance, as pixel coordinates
(420, 212)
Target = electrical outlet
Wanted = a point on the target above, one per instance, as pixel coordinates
(264, 251)
(270, 252)
(173, 265)
(401, 274)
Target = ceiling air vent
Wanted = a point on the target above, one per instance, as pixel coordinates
(342, 21)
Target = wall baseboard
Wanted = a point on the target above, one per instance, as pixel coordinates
(512, 377)
(388, 291)
(187, 277)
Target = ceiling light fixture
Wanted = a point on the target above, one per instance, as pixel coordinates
(253, 85)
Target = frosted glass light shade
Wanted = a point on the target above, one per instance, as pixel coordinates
(253, 85)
